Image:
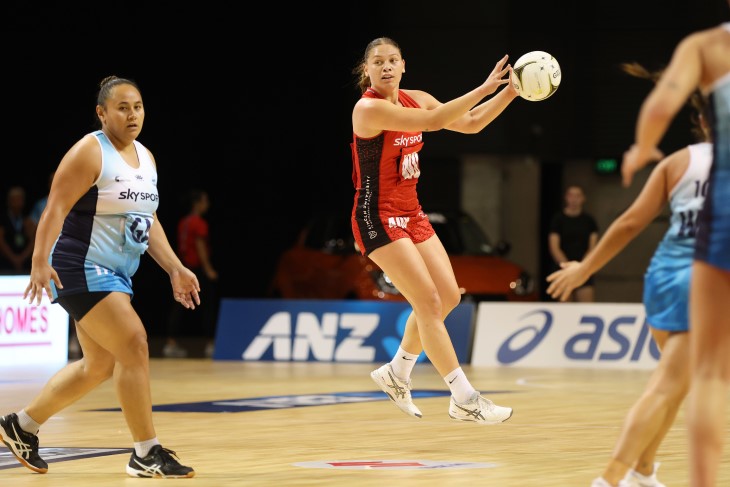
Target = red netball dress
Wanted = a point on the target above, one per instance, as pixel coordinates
(385, 171)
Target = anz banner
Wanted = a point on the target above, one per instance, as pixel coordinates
(563, 335)
(323, 331)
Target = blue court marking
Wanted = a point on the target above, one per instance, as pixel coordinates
(284, 402)
(54, 454)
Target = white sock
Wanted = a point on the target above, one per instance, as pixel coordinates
(27, 423)
(461, 388)
(403, 363)
(641, 476)
(142, 448)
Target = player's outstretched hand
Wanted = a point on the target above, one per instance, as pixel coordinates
(498, 77)
(562, 283)
(635, 159)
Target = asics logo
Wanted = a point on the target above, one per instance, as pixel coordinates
(150, 470)
(21, 449)
(472, 413)
(397, 390)
(627, 335)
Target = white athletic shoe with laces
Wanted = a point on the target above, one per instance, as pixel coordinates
(397, 390)
(635, 479)
(479, 410)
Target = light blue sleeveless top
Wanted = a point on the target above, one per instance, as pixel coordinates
(107, 230)
(667, 279)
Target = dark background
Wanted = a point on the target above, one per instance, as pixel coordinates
(253, 102)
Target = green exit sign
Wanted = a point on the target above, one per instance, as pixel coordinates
(607, 166)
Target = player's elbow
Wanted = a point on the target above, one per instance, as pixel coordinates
(658, 110)
(469, 129)
(656, 113)
(630, 225)
(468, 124)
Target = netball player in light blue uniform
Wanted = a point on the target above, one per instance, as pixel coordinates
(99, 220)
(679, 180)
(700, 61)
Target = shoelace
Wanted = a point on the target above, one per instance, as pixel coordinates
(489, 405)
(168, 456)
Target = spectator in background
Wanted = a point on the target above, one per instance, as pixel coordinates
(40, 204)
(573, 233)
(193, 248)
(17, 234)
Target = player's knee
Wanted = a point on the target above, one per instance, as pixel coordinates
(449, 301)
(135, 350)
(99, 368)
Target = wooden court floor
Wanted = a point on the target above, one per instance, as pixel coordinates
(325, 424)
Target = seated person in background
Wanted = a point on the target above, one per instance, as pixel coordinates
(17, 234)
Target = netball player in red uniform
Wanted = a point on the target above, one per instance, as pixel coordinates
(392, 230)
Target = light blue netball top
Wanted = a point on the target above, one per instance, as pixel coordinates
(667, 279)
(107, 230)
(685, 202)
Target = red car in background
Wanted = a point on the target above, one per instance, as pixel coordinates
(325, 264)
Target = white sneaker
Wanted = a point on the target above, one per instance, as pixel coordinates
(479, 410)
(397, 390)
(635, 479)
(600, 482)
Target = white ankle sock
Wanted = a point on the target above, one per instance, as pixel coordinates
(403, 363)
(27, 423)
(641, 476)
(142, 448)
(461, 388)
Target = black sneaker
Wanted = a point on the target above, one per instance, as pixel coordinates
(22, 444)
(159, 463)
